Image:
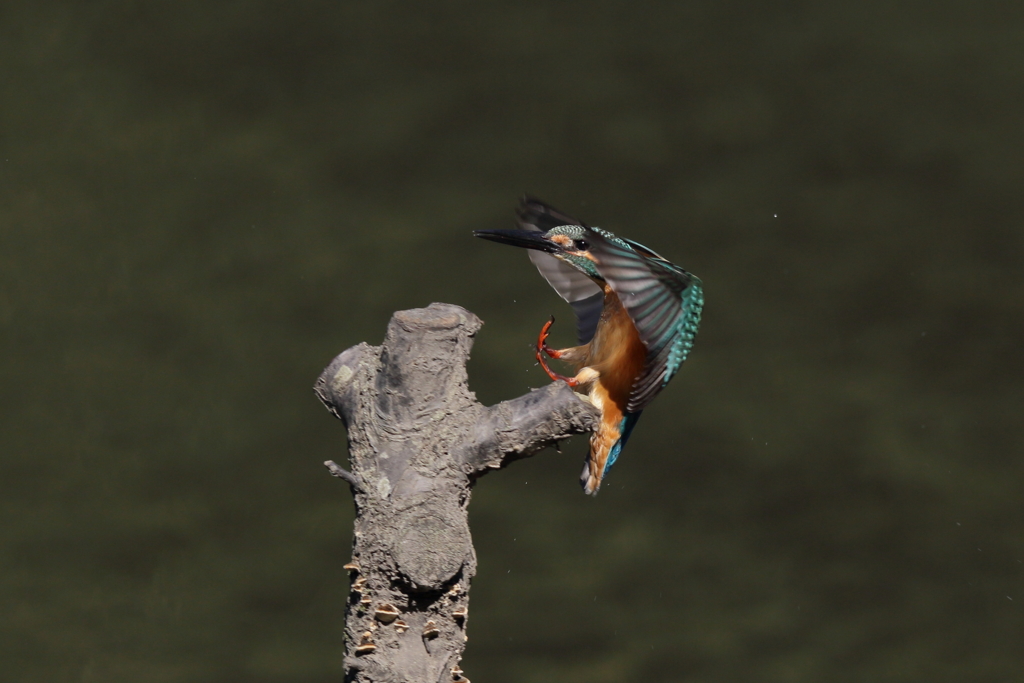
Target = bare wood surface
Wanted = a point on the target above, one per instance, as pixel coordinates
(418, 440)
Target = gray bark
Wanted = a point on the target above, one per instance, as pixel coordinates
(418, 440)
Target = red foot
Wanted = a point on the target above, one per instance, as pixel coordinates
(542, 340)
(554, 353)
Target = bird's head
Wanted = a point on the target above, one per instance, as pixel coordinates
(567, 243)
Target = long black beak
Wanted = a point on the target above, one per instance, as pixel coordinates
(530, 239)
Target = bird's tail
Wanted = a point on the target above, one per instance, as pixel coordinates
(605, 446)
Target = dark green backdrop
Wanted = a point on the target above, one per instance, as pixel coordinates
(201, 203)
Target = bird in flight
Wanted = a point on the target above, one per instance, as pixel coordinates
(636, 317)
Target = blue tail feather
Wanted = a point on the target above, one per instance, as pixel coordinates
(629, 421)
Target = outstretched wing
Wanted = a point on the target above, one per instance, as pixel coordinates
(579, 290)
(664, 302)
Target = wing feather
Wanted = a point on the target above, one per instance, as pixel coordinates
(535, 214)
(663, 301)
(588, 314)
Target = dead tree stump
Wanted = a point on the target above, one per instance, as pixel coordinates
(418, 440)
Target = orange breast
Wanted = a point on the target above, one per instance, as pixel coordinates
(616, 351)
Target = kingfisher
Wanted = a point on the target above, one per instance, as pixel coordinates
(636, 318)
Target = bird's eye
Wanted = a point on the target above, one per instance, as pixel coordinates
(581, 245)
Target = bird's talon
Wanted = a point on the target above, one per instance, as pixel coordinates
(542, 340)
(543, 348)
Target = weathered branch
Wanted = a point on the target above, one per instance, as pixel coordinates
(517, 429)
(337, 471)
(418, 439)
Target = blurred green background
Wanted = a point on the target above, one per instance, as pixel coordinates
(202, 203)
